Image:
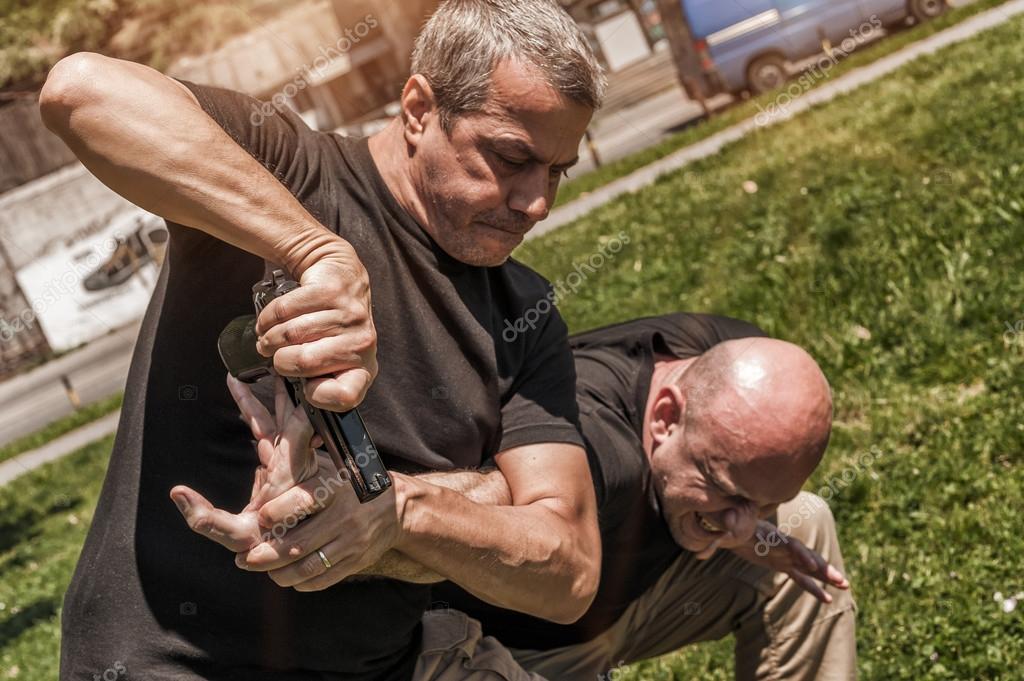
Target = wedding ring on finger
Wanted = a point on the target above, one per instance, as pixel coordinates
(323, 559)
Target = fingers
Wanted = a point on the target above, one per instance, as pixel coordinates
(280, 550)
(309, 327)
(808, 584)
(282, 404)
(836, 578)
(327, 303)
(343, 392)
(326, 356)
(312, 574)
(235, 532)
(814, 564)
(293, 460)
(297, 430)
(303, 500)
(255, 415)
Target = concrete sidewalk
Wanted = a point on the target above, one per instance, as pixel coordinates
(854, 79)
(56, 449)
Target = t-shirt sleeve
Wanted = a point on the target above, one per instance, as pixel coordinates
(279, 140)
(542, 406)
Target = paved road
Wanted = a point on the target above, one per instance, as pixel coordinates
(75, 440)
(32, 400)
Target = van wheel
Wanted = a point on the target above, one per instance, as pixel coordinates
(766, 73)
(923, 10)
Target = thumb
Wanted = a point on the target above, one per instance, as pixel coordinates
(234, 532)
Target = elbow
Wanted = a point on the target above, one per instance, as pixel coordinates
(75, 81)
(579, 598)
(579, 590)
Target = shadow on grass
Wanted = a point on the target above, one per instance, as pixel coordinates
(26, 618)
(24, 524)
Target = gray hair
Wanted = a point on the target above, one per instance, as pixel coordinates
(465, 40)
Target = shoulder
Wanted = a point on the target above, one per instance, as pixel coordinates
(682, 333)
(617, 460)
(527, 282)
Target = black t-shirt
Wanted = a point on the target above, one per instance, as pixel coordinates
(614, 365)
(168, 604)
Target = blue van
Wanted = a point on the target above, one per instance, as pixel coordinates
(747, 44)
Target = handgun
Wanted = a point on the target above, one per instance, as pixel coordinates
(343, 433)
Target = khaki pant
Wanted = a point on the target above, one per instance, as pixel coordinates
(454, 649)
(781, 631)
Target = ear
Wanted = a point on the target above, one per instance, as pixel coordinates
(667, 415)
(417, 106)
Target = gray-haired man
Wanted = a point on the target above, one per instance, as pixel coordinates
(424, 214)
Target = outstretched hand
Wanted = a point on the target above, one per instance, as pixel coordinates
(775, 550)
(284, 445)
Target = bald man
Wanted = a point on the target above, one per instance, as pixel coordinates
(698, 429)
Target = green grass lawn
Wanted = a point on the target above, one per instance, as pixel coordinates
(885, 236)
(588, 182)
(44, 516)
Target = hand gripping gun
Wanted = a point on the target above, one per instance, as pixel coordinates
(344, 434)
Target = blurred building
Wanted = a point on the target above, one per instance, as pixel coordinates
(337, 63)
(621, 32)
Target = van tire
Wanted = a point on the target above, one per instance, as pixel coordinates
(765, 73)
(925, 10)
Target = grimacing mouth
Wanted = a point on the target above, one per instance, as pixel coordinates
(707, 525)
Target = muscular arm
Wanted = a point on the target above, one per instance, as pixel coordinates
(540, 555)
(145, 136)
(487, 487)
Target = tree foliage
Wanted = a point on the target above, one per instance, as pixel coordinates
(35, 34)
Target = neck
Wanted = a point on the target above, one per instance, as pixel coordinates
(392, 156)
(666, 367)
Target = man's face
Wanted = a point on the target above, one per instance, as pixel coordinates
(713, 487)
(496, 176)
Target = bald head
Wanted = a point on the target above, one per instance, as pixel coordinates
(765, 404)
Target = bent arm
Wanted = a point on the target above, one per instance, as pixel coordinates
(487, 487)
(146, 137)
(540, 555)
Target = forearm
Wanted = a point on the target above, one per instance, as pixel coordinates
(529, 558)
(145, 136)
(482, 487)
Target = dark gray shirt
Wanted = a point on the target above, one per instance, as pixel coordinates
(169, 604)
(614, 367)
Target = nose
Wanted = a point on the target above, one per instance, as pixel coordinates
(530, 195)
